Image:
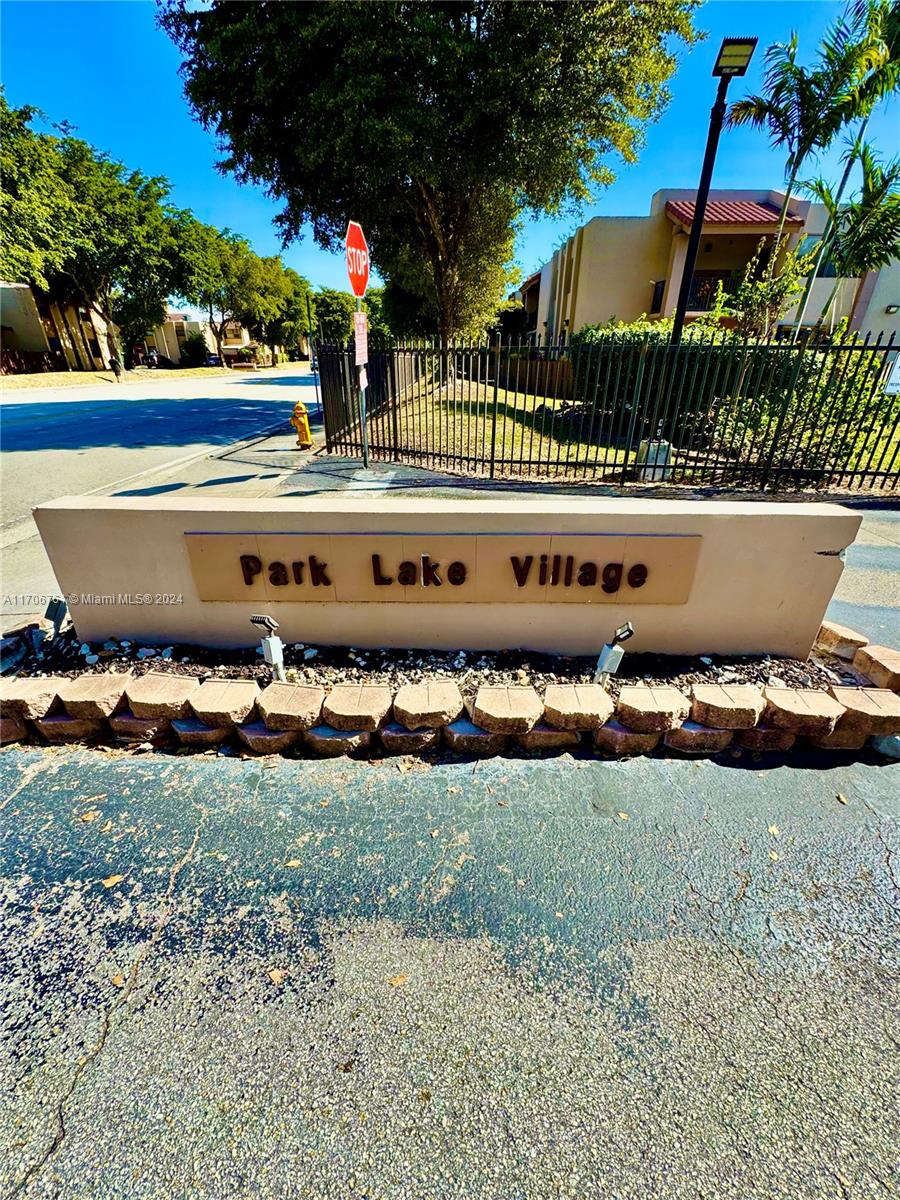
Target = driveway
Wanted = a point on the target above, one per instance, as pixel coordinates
(530, 979)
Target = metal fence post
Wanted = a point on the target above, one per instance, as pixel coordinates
(789, 396)
(496, 401)
(638, 384)
(395, 401)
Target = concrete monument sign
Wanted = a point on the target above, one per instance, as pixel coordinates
(549, 574)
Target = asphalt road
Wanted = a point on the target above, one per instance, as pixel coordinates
(72, 440)
(506, 981)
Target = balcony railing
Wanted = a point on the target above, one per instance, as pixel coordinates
(704, 286)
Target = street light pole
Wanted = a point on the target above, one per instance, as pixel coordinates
(733, 59)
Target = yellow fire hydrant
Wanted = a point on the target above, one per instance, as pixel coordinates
(300, 421)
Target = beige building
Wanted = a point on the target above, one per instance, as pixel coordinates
(623, 267)
(40, 335)
(168, 338)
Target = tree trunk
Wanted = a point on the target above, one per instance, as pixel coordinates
(113, 345)
(825, 243)
(830, 300)
(789, 190)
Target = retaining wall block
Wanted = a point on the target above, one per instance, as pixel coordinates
(651, 709)
(578, 706)
(507, 709)
(356, 707)
(616, 738)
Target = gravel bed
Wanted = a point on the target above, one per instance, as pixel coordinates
(328, 665)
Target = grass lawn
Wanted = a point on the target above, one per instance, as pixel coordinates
(53, 379)
(452, 427)
(457, 422)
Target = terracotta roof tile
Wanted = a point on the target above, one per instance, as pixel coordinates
(730, 212)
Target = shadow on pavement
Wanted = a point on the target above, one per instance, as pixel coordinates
(166, 421)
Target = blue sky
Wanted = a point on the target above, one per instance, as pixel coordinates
(105, 67)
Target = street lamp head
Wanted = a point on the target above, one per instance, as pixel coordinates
(734, 56)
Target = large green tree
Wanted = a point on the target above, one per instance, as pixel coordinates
(804, 108)
(864, 231)
(334, 315)
(285, 318)
(419, 119)
(79, 225)
(229, 282)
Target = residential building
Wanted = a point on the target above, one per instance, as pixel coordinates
(167, 340)
(43, 335)
(623, 267)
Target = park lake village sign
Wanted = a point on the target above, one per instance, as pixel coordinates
(449, 568)
(553, 574)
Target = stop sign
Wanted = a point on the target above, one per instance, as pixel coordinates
(357, 249)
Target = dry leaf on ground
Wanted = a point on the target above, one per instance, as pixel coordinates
(112, 880)
(398, 980)
(277, 976)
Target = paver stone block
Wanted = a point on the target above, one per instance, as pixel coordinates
(874, 712)
(727, 706)
(651, 709)
(291, 705)
(507, 709)
(881, 664)
(580, 706)
(428, 705)
(356, 707)
(616, 738)
(224, 702)
(840, 640)
(159, 694)
(801, 710)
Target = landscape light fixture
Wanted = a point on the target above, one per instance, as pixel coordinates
(272, 646)
(56, 612)
(732, 61)
(612, 654)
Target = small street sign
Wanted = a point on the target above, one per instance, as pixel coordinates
(361, 338)
(357, 250)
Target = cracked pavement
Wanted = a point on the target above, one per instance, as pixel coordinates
(229, 978)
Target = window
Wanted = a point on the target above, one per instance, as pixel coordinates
(827, 269)
(659, 288)
(704, 288)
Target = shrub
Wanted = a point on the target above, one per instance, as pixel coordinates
(193, 350)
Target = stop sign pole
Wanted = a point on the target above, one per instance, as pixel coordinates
(356, 249)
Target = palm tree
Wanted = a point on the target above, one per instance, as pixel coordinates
(882, 18)
(805, 108)
(865, 233)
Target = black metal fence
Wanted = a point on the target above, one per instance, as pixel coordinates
(623, 407)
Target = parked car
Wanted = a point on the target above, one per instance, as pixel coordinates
(213, 360)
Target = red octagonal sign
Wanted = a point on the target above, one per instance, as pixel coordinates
(357, 249)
